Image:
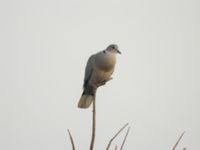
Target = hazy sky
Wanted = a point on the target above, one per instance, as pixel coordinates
(156, 87)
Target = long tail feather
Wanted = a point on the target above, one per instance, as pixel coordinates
(85, 101)
(87, 97)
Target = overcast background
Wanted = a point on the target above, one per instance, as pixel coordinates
(156, 87)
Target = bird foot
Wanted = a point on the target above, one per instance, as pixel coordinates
(104, 82)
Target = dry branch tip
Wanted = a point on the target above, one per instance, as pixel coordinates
(179, 139)
(108, 146)
(71, 140)
(125, 138)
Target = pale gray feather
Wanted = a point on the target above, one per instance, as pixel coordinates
(99, 69)
(89, 70)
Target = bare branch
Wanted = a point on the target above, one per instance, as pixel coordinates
(116, 147)
(93, 125)
(125, 138)
(178, 141)
(108, 146)
(94, 115)
(71, 139)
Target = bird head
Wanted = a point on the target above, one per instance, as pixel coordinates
(113, 48)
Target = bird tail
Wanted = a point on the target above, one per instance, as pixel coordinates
(87, 97)
(85, 101)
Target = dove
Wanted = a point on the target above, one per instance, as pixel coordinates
(98, 71)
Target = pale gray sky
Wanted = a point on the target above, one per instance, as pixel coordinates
(156, 88)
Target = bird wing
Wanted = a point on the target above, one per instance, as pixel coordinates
(88, 70)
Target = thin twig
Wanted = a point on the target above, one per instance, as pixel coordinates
(115, 147)
(94, 114)
(108, 146)
(125, 138)
(178, 141)
(71, 139)
(93, 124)
(184, 148)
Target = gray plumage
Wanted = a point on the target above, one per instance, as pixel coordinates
(99, 69)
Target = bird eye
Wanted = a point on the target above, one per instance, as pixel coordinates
(113, 47)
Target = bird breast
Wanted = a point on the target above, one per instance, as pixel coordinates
(105, 61)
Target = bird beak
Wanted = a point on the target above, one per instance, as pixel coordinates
(119, 52)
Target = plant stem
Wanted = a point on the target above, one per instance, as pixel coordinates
(93, 124)
(178, 141)
(71, 139)
(108, 146)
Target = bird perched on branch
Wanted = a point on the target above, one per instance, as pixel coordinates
(98, 71)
